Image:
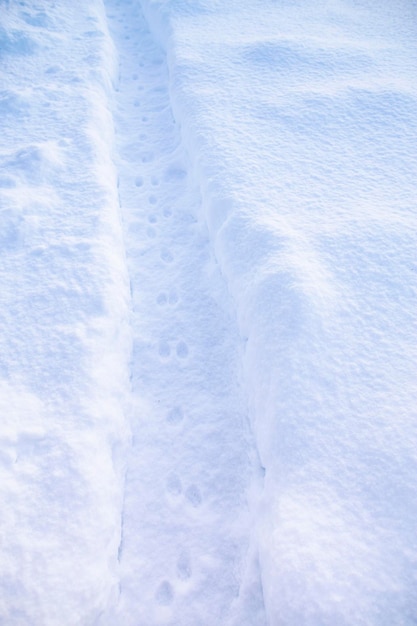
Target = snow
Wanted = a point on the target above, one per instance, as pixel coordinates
(208, 368)
(65, 339)
(185, 518)
(304, 146)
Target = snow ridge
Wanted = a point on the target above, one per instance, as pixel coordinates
(300, 120)
(65, 340)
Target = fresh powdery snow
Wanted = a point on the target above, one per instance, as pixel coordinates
(208, 313)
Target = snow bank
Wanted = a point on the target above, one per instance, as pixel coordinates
(300, 121)
(64, 344)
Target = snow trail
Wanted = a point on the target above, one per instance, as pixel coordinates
(185, 521)
(301, 121)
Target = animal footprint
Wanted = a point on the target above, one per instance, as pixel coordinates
(161, 299)
(164, 594)
(139, 181)
(164, 349)
(152, 219)
(147, 157)
(167, 256)
(153, 200)
(183, 566)
(182, 350)
(151, 232)
(174, 173)
(175, 415)
(173, 297)
(193, 496)
(173, 485)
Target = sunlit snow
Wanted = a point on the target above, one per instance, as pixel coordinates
(208, 305)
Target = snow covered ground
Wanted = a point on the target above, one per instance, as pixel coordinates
(207, 279)
(185, 519)
(65, 336)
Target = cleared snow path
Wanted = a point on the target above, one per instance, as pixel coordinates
(184, 544)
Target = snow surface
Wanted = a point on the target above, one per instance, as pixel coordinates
(65, 337)
(207, 359)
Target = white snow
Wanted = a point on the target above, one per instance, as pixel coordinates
(302, 122)
(185, 518)
(207, 279)
(65, 337)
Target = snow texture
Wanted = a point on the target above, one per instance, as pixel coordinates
(208, 307)
(65, 336)
(302, 121)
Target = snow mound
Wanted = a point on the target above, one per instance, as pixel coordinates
(300, 123)
(65, 342)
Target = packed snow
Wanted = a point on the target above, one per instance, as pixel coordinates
(208, 306)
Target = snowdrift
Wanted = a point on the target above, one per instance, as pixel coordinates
(300, 123)
(64, 318)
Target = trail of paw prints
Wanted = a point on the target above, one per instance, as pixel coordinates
(164, 298)
(192, 494)
(165, 593)
(181, 349)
